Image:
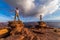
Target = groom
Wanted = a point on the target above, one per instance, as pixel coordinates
(16, 14)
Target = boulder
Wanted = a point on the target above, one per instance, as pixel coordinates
(16, 26)
(4, 32)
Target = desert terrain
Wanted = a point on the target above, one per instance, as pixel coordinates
(30, 32)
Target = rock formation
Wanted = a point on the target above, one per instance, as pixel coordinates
(16, 26)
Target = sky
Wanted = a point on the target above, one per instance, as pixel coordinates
(32, 9)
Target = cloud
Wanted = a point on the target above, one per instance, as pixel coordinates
(59, 4)
(27, 5)
(30, 7)
(4, 18)
(53, 18)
